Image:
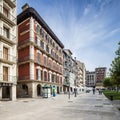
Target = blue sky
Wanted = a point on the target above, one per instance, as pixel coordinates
(89, 28)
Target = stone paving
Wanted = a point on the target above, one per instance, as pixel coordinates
(85, 106)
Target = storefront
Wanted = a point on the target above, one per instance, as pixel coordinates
(7, 91)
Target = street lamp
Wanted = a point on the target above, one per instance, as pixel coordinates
(75, 78)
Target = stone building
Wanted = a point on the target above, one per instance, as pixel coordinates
(8, 53)
(100, 74)
(80, 74)
(95, 78)
(90, 79)
(40, 56)
(70, 67)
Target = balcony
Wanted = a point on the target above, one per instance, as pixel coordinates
(8, 38)
(26, 77)
(11, 3)
(7, 58)
(8, 78)
(9, 18)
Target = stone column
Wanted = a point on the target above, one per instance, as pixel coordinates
(13, 92)
(34, 90)
(31, 29)
(32, 71)
(0, 93)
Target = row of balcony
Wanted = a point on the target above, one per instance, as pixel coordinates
(7, 58)
(54, 56)
(32, 77)
(41, 48)
(7, 16)
(8, 78)
(38, 61)
(7, 36)
(11, 3)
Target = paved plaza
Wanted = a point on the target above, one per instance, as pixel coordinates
(85, 106)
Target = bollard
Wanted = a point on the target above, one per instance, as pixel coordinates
(111, 97)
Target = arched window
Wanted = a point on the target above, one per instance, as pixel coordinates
(25, 89)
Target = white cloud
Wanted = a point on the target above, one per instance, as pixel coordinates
(86, 11)
(90, 37)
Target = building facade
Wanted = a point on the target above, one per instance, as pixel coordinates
(8, 52)
(80, 74)
(67, 68)
(70, 72)
(40, 56)
(90, 79)
(100, 74)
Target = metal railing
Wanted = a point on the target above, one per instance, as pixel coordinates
(8, 35)
(39, 61)
(7, 57)
(8, 78)
(8, 16)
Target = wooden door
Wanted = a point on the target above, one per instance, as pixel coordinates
(5, 53)
(5, 73)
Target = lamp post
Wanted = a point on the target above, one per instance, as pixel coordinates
(69, 77)
(75, 78)
(69, 90)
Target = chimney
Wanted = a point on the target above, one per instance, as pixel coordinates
(24, 7)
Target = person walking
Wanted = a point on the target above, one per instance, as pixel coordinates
(93, 90)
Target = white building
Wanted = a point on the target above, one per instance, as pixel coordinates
(90, 79)
(8, 53)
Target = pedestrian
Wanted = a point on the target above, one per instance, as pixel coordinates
(93, 90)
(100, 91)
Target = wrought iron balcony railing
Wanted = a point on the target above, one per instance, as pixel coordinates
(8, 78)
(7, 57)
(9, 17)
(7, 35)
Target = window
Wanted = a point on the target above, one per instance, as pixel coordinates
(5, 73)
(48, 76)
(61, 80)
(38, 29)
(45, 60)
(5, 12)
(47, 48)
(6, 32)
(52, 77)
(38, 74)
(45, 76)
(50, 41)
(46, 37)
(5, 53)
(41, 75)
(53, 44)
(38, 57)
(42, 44)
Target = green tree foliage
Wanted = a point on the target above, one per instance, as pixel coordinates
(115, 67)
(107, 82)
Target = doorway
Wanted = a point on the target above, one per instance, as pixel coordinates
(38, 90)
(6, 92)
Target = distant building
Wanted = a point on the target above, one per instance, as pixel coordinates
(80, 74)
(40, 56)
(8, 51)
(95, 78)
(100, 74)
(90, 79)
(67, 69)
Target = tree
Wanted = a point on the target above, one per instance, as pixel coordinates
(115, 67)
(107, 82)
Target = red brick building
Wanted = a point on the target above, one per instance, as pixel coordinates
(40, 56)
(100, 74)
